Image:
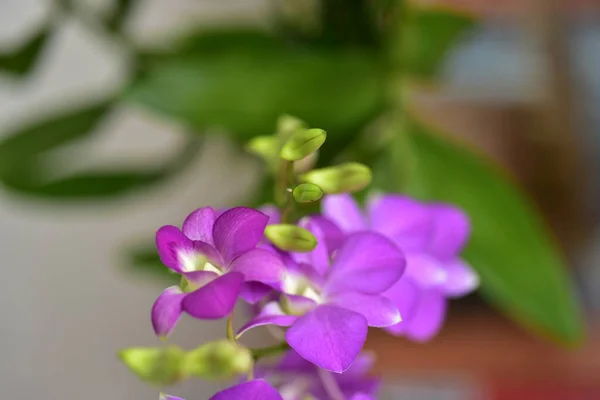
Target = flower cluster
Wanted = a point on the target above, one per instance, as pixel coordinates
(318, 283)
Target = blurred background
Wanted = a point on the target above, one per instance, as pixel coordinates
(119, 116)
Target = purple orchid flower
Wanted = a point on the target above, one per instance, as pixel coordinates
(216, 255)
(257, 389)
(300, 378)
(329, 304)
(431, 236)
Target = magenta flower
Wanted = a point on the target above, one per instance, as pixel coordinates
(216, 256)
(328, 305)
(301, 379)
(256, 389)
(431, 236)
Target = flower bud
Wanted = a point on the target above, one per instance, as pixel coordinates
(291, 237)
(307, 193)
(343, 178)
(303, 143)
(218, 360)
(287, 125)
(157, 366)
(266, 147)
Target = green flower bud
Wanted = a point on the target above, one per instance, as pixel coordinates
(291, 238)
(343, 178)
(287, 125)
(307, 193)
(303, 143)
(218, 360)
(157, 366)
(266, 147)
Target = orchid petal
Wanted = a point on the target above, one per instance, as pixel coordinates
(462, 279)
(330, 337)
(167, 310)
(425, 271)
(259, 265)
(362, 396)
(171, 243)
(428, 317)
(253, 292)
(451, 231)
(272, 212)
(333, 235)
(199, 225)
(343, 210)
(271, 314)
(200, 278)
(404, 220)
(367, 262)
(238, 230)
(378, 310)
(405, 295)
(216, 299)
(319, 257)
(256, 389)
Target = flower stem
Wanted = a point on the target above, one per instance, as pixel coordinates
(269, 351)
(283, 193)
(330, 385)
(230, 332)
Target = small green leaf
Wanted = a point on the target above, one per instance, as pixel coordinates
(158, 366)
(267, 148)
(307, 193)
(24, 59)
(291, 238)
(343, 178)
(428, 35)
(302, 144)
(522, 272)
(218, 360)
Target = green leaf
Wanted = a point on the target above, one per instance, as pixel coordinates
(218, 360)
(24, 59)
(291, 237)
(302, 144)
(307, 193)
(121, 13)
(25, 169)
(342, 178)
(522, 271)
(428, 36)
(244, 86)
(155, 365)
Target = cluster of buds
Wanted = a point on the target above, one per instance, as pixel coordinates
(319, 279)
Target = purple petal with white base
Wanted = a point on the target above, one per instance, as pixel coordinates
(406, 221)
(367, 262)
(271, 314)
(259, 265)
(378, 310)
(344, 211)
(257, 389)
(461, 280)
(330, 337)
(200, 278)
(199, 225)
(405, 295)
(216, 299)
(171, 243)
(451, 231)
(428, 317)
(167, 310)
(238, 230)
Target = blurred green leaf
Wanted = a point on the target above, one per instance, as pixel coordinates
(23, 168)
(522, 272)
(427, 37)
(244, 86)
(120, 14)
(21, 61)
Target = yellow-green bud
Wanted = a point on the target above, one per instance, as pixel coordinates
(291, 237)
(158, 366)
(343, 178)
(218, 360)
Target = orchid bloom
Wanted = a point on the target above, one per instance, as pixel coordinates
(257, 389)
(431, 236)
(216, 256)
(329, 302)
